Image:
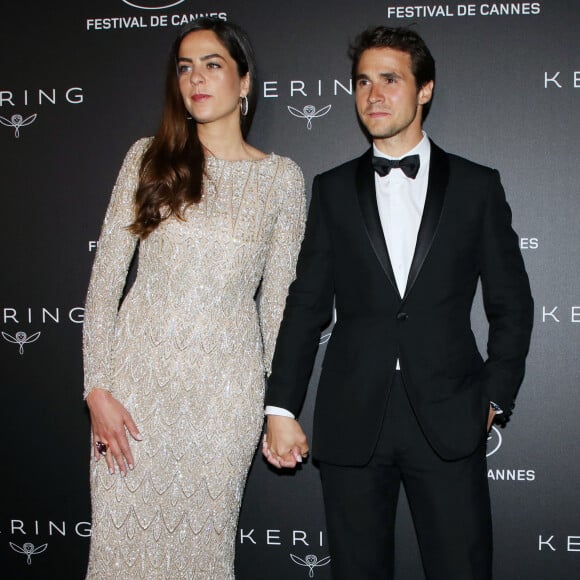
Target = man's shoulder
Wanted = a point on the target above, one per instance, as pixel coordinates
(461, 164)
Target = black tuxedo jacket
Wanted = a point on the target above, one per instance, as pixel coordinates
(465, 236)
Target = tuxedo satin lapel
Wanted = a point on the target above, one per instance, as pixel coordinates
(438, 179)
(367, 197)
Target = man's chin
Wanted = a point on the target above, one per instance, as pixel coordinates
(382, 135)
(380, 132)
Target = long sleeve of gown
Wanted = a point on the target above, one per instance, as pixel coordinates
(280, 268)
(113, 256)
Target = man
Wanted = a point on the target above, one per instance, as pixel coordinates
(398, 240)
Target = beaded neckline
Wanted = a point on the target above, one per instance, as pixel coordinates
(214, 159)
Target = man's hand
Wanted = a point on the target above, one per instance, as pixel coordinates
(490, 418)
(284, 444)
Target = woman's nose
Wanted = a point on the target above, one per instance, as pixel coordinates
(195, 77)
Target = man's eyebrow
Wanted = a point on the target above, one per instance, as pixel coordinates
(384, 75)
(390, 75)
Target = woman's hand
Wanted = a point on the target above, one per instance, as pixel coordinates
(108, 422)
(285, 443)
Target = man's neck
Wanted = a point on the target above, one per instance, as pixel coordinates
(398, 146)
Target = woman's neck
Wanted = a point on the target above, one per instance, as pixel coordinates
(223, 142)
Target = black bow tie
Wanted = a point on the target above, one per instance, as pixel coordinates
(408, 165)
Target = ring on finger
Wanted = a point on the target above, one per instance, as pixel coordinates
(101, 447)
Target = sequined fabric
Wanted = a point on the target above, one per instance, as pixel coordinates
(186, 354)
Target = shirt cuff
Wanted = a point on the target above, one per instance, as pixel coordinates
(271, 410)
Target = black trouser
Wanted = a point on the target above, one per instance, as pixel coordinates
(449, 502)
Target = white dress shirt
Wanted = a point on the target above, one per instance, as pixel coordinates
(401, 200)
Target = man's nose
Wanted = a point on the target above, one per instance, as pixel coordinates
(375, 94)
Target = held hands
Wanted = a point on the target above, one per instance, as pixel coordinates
(108, 422)
(284, 444)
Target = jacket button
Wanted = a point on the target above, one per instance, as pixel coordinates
(402, 316)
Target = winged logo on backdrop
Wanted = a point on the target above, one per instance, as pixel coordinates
(309, 112)
(21, 338)
(310, 561)
(28, 550)
(16, 122)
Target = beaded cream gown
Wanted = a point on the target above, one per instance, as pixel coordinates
(187, 355)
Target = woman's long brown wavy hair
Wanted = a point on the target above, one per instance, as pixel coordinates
(172, 169)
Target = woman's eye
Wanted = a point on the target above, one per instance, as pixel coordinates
(183, 68)
(213, 65)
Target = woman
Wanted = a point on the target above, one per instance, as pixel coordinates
(181, 364)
